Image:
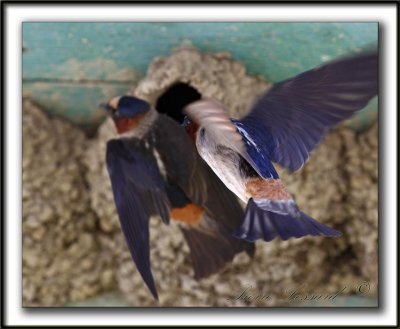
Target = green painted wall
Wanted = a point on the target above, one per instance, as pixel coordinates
(69, 68)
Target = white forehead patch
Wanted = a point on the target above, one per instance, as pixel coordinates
(114, 102)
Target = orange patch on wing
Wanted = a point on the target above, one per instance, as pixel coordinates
(190, 214)
(271, 189)
(126, 124)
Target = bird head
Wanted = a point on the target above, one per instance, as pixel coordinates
(190, 127)
(126, 111)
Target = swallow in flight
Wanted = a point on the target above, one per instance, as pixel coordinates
(284, 126)
(155, 169)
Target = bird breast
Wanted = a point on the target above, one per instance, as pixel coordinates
(224, 162)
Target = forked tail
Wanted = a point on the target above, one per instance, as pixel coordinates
(266, 225)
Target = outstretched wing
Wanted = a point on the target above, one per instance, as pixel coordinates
(294, 115)
(139, 193)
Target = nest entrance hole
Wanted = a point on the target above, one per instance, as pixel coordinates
(175, 98)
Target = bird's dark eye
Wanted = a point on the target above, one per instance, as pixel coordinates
(113, 111)
(186, 122)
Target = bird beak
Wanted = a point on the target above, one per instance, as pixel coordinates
(107, 107)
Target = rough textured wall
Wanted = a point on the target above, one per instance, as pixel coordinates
(338, 187)
(62, 260)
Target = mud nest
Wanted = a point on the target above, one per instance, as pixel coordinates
(75, 248)
(62, 258)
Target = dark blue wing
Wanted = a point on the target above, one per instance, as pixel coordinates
(139, 192)
(258, 149)
(295, 113)
(264, 222)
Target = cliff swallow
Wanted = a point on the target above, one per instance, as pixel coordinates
(283, 126)
(155, 170)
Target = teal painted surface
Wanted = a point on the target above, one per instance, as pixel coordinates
(116, 54)
(76, 102)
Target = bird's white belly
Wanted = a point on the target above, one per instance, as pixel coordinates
(227, 171)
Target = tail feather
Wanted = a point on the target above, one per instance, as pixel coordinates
(210, 253)
(266, 225)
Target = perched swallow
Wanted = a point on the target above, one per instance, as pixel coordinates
(283, 126)
(155, 170)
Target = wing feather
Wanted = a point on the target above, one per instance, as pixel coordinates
(139, 193)
(305, 106)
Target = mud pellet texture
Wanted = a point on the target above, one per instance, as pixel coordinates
(62, 260)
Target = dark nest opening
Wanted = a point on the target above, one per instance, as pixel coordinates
(175, 98)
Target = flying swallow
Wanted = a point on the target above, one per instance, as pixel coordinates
(283, 126)
(155, 169)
